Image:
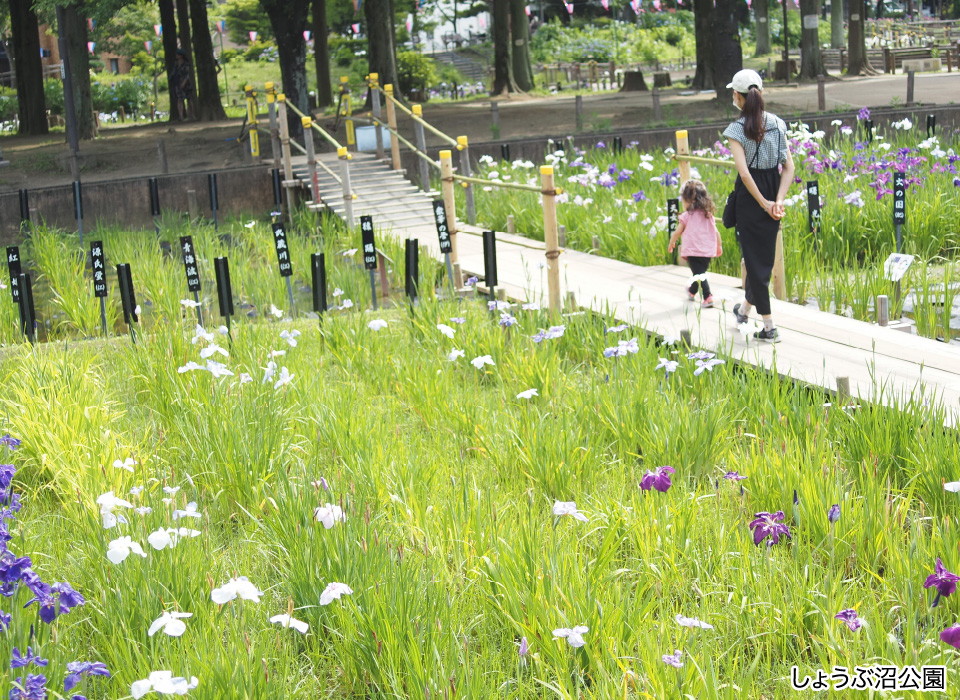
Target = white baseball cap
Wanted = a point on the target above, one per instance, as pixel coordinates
(745, 79)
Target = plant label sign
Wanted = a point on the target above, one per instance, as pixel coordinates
(190, 263)
(896, 266)
(899, 199)
(813, 205)
(440, 214)
(99, 271)
(13, 265)
(369, 247)
(283, 250)
(673, 215)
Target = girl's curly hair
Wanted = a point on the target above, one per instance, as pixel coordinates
(695, 194)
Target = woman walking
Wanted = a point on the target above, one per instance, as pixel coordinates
(758, 142)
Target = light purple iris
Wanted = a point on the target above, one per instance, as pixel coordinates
(850, 619)
(769, 525)
(945, 582)
(863, 114)
(524, 648)
(675, 659)
(639, 196)
(658, 479)
(833, 515)
(734, 476)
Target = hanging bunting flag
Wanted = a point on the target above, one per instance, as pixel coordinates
(356, 6)
(90, 45)
(306, 35)
(606, 4)
(569, 6)
(409, 23)
(356, 28)
(527, 10)
(482, 22)
(91, 24)
(635, 4)
(158, 29)
(148, 45)
(221, 26)
(656, 5)
(253, 37)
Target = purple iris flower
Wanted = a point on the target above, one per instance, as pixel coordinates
(863, 114)
(639, 196)
(951, 636)
(324, 484)
(34, 688)
(658, 479)
(19, 661)
(850, 619)
(601, 144)
(5, 620)
(624, 175)
(471, 281)
(10, 441)
(734, 476)
(833, 515)
(612, 169)
(12, 568)
(524, 647)
(769, 525)
(69, 598)
(79, 669)
(956, 182)
(6, 475)
(945, 582)
(539, 337)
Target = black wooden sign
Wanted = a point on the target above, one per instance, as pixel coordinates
(224, 289)
(99, 270)
(13, 265)
(813, 206)
(190, 263)
(318, 278)
(28, 314)
(899, 199)
(443, 233)
(24, 206)
(490, 260)
(154, 197)
(673, 215)
(212, 186)
(127, 297)
(369, 247)
(283, 250)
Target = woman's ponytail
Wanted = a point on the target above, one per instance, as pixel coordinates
(753, 108)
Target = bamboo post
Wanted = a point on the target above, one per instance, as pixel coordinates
(578, 106)
(683, 149)
(373, 81)
(345, 180)
(549, 193)
(311, 159)
(274, 130)
(778, 280)
(511, 224)
(883, 310)
(422, 146)
(821, 94)
(464, 148)
(392, 121)
(284, 136)
(449, 204)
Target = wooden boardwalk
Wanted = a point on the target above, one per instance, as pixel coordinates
(882, 364)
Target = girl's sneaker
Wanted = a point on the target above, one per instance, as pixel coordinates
(708, 302)
(741, 318)
(770, 336)
(690, 295)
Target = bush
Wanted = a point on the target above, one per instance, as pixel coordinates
(258, 49)
(415, 71)
(132, 95)
(53, 94)
(8, 107)
(229, 55)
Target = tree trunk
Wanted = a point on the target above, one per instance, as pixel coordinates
(761, 9)
(503, 79)
(183, 34)
(836, 25)
(209, 108)
(288, 19)
(321, 54)
(168, 21)
(381, 51)
(703, 33)
(811, 60)
(520, 46)
(31, 106)
(879, 9)
(856, 37)
(727, 52)
(75, 32)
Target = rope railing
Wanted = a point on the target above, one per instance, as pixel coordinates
(320, 130)
(405, 142)
(507, 185)
(683, 158)
(426, 125)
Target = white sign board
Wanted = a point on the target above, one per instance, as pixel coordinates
(811, 21)
(896, 266)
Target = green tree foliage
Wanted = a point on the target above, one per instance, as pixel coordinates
(243, 17)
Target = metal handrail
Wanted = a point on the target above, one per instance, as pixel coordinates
(329, 139)
(432, 129)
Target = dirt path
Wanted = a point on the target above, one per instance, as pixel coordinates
(132, 151)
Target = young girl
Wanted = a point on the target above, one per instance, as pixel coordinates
(701, 239)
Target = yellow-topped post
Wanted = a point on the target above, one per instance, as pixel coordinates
(345, 110)
(464, 147)
(549, 194)
(284, 137)
(421, 146)
(252, 121)
(308, 146)
(683, 149)
(345, 181)
(374, 85)
(449, 205)
(392, 121)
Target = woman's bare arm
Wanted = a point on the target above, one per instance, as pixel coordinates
(786, 179)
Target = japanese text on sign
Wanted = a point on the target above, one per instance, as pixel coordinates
(899, 198)
(283, 250)
(872, 678)
(190, 263)
(673, 215)
(369, 247)
(813, 205)
(99, 271)
(443, 233)
(13, 265)
(896, 266)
